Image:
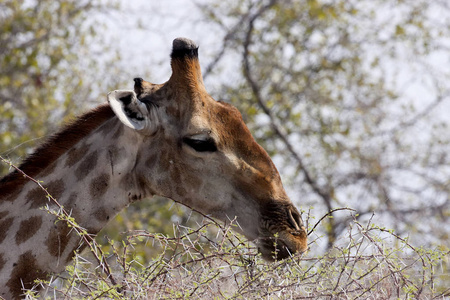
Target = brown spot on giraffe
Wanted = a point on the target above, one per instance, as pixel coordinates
(3, 214)
(175, 175)
(38, 197)
(2, 262)
(75, 155)
(28, 228)
(72, 201)
(173, 112)
(24, 273)
(71, 206)
(56, 188)
(87, 165)
(152, 160)
(99, 186)
(126, 183)
(181, 191)
(164, 162)
(5, 224)
(9, 196)
(144, 186)
(116, 155)
(49, 170)
(58, 238)
(101, 214)
(114, 152)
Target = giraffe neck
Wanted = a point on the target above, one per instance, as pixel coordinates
(93, 180)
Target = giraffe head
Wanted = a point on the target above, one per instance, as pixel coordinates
(199, 152)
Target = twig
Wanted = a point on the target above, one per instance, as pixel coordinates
(328, 214)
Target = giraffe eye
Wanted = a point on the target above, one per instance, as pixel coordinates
(207, 145)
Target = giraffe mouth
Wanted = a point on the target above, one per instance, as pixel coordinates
(283, 237)
(282, 244)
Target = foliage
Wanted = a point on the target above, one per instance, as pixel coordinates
(195, 264)
(157, 214)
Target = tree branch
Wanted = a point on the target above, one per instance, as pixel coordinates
(278, 129)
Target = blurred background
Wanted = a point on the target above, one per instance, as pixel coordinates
(349, 97)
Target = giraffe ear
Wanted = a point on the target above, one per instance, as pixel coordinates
(129, 109)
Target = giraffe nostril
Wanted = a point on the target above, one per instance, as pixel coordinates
(295, 219)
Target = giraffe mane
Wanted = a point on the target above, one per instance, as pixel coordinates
(55, 146)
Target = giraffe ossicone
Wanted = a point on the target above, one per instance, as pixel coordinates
(172, 140)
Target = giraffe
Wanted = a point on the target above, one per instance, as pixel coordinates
(172, 140)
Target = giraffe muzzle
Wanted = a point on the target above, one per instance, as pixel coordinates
(283, 234)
